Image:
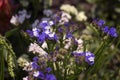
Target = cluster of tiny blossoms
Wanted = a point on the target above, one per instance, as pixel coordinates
(80, 16)
(106, 29)
(20, 17)
(54, 39)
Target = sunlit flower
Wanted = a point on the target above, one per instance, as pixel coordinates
(23, 60)
(69, 8)
(35, 48)
(81, 16)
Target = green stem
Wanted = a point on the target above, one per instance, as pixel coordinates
(2, 66)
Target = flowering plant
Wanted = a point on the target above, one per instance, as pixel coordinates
(60, 52)
(60, 46)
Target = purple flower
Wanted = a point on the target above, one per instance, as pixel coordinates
(89, 58)
(66, 24)
(35, 59)
(60, 29)
(78, 53)
(35, 65)
(101, 23)
(55, 37)
(42, 37)
(52, 36)
(48, 70)
(43, 24)
(106, 29)
(36, 74)
(30, 33)
(36, 32)
(112, 32)
(50, 77)
(41, 75)
(69, 35)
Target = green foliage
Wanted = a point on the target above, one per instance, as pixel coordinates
(8, 55)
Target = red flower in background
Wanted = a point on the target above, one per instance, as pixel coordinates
(1, 3)
(5, 15)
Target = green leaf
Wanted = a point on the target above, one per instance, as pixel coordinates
(11, 32)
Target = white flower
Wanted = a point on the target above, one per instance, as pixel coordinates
(81, 16)
(47, 31)
(28, 67)
(35, 32)
(80, 41)
(68, 43)
(20, 17)
(25, 78)
(91, 59)
(88, 54)
(63, 20)
(64, 14)
(23, 60)
(51, 23)
(44, 45)
(51, 35)
(69, 8)
(35, 48)
(65, 17)
(14, 20)
(78, 51)
(80, 44)
(36, 73)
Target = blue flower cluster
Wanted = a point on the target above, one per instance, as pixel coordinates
(108, 30)
(40, 71)
(42, 31)
(89, 57)
(48, 31)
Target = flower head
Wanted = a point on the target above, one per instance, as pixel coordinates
(48, 70)
(101, 23)
(81, 16)
(89, 58)
(35, 59)
(69, 8)
(50, 77)
(112, 32)
(35, 65)
(106, 29)
(35, 48)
